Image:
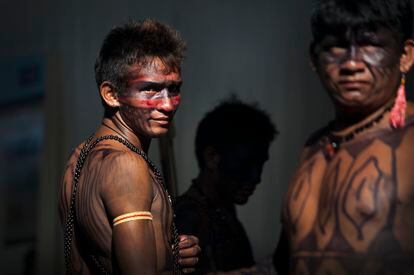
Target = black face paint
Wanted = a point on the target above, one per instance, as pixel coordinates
(373, 57)
(147, 94)
(375, 49)
(173, 87)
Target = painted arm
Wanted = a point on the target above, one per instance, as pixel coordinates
(128, 189)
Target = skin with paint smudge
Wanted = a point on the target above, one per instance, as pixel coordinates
(116, 181)
(146, 94)
(151, 98)
(359, 69)
(352, 213)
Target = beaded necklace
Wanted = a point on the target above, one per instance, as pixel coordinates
(332, 142)
(87, 147)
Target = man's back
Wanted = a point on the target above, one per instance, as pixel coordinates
(352, 214)
(105, 186)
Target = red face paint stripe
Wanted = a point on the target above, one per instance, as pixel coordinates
(176, 100)
(151, 103)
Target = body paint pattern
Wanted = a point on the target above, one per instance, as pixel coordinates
(348, 225)
(93, 230)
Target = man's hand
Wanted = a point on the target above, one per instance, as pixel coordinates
(189, 249)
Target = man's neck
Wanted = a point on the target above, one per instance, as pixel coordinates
(346, 122)
(116, 125)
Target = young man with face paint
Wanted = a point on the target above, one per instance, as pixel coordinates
(349, 208)
(231, 160)
(115, 210)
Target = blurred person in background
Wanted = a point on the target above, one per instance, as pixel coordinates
(232, 144)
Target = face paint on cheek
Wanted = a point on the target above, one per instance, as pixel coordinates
(155, 103)
(374, 57)
(176, 100)
(379, 58)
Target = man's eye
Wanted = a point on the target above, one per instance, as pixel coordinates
(149, 92)
(337, 50)
(369, 48)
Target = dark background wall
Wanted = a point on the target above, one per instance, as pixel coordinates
(257, 50)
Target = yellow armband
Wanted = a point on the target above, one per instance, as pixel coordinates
(139, 215)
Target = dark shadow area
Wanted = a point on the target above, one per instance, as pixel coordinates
(231, 145)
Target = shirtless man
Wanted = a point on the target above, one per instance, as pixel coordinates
(122, 219)
(349, 208)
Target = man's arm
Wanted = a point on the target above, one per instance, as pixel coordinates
(127, 189)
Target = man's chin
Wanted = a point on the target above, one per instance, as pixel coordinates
(350, 97)
(241, 200)
(350, 101)
(159, 132)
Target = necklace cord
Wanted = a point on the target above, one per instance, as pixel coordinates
(332, 142)
(70, 221)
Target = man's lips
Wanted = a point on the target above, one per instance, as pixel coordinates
(352, 84)
(162, 121)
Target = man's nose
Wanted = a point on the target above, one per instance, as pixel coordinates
(353, 61)
(166, 104)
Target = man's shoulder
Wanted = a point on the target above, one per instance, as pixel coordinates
(191, 200)
(401, 137)
(311, 145)
(117, 158)
(119, 170)
(316, 136)
(407, 135)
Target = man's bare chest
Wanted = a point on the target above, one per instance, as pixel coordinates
(350, 197)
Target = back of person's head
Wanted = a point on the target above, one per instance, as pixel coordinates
(137, 43)
(233, 122)
(338, 16)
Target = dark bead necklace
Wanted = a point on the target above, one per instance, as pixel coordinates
(332, 142)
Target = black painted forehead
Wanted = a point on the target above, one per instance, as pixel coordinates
(343, 30)
(350, 16)
(362, 34)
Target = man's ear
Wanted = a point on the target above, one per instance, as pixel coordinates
(108, 94)
(211, 158)
(407, 57)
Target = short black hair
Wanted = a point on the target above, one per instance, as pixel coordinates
(336, 16)
(137, 43)
(233, 122)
